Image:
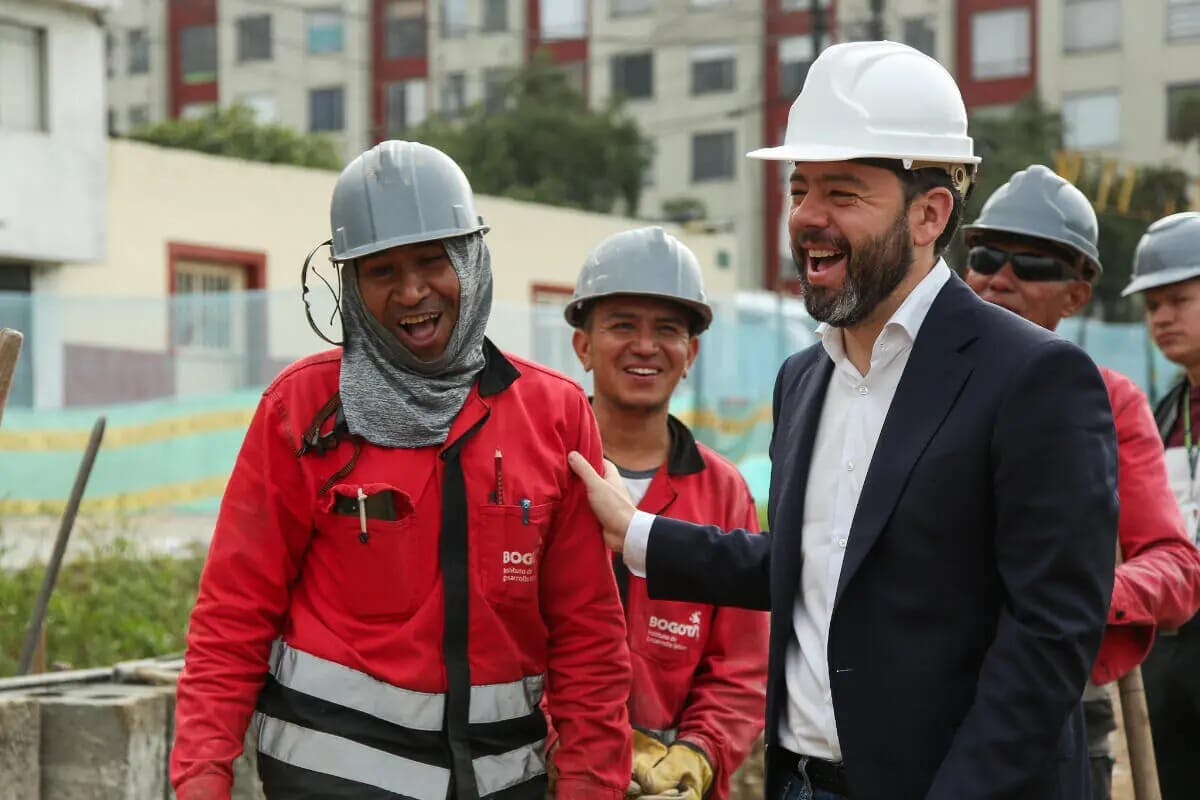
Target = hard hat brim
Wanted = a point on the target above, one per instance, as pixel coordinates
(573, 313)
(825, 153)
(1177, 275)
(372, 248)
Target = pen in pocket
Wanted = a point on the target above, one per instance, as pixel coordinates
(498, 495)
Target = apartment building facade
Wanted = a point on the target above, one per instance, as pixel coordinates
(706, 80)
(1122, 72)
(53, 207)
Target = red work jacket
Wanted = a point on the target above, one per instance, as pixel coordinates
(1159, 583)
(392, 621)
(699, 672)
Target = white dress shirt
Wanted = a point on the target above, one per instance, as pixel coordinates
(852, 417)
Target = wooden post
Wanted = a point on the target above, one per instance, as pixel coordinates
(1138, 739)
(10, 348)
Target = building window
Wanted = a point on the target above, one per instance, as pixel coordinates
(406, 106)
(202, 318)
(562, 19)
(1091, 25)
(110, 55)
(406, 29)
(1092, 120)
(633, 75)
(1000, 44)
(495, 89)
(795, 57)
(495, 16)
(650, 152)
(198, 54)
(138, 43)
(630, 8)
(254, 38)
(453, 100)
(1183, 19)
(454, 19)
(712, 156)
(139, 116)
(326, 110)
(919, 35)
(714, 68)
(23, 77)
(326, 31)
(1183, 111)
(263, 106)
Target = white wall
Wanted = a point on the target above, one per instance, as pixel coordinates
(52, 206)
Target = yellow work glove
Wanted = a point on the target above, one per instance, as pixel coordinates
(683, 773)
(647, 751)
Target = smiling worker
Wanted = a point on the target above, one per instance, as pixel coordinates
(403, 564)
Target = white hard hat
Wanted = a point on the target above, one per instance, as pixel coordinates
(878, 100)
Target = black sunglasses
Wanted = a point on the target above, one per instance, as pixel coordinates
(989, 261)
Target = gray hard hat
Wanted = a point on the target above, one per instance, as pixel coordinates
(646, 261)
(1168, 252)
(1040, 204)
(400, 193)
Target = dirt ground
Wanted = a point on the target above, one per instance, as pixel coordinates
(748, 781)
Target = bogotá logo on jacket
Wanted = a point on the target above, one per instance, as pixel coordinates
(689, 630)
(519, 567)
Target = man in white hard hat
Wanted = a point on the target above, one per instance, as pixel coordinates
(943, 494)
(699, 672)
(1034, 250)
(1166, 271)
(404, 570)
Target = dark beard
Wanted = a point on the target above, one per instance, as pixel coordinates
(873, 271)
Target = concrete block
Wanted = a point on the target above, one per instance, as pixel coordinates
(103, 742)
(20, 740)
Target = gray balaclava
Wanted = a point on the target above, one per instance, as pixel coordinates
(389, 396)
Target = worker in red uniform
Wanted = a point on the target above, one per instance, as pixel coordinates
(1034, 252)
(699, 672)
(403, 564)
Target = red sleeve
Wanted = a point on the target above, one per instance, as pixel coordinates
(727, 704)
(1159, 583)
(262, 532)
(588, 679)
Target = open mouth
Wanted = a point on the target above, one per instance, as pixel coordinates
(420, 329)
(826, 267)
(643, 372)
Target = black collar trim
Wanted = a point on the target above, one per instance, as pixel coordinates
(684, 457)
(498, 372)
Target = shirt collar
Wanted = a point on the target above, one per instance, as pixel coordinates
(906, 320)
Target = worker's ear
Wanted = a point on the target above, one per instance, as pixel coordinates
(583, 348)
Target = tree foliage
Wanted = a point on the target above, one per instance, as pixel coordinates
(545, 145)
(235, 132)
(1127, 197)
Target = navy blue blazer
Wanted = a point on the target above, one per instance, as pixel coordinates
(979, 570)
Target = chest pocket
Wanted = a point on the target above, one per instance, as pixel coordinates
(668, 632)
(372, 548)
(511, 541)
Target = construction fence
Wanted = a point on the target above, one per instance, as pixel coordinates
(178, 379)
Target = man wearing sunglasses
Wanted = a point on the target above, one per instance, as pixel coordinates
(1034, 252)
